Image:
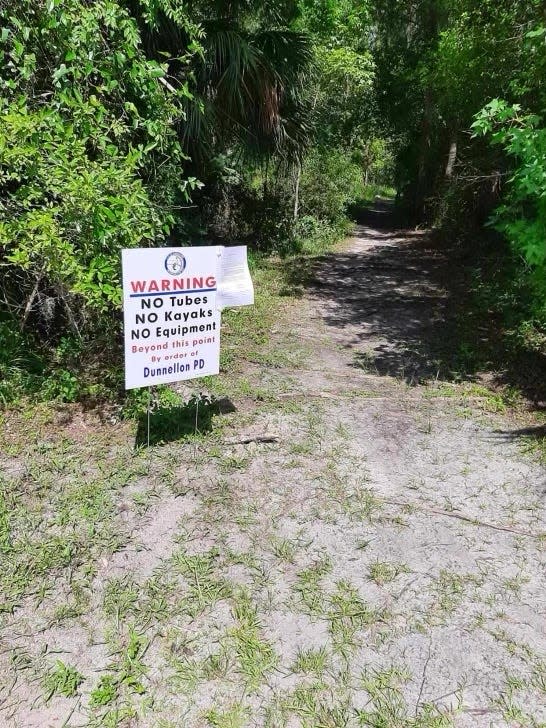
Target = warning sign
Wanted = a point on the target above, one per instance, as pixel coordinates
(172, 324)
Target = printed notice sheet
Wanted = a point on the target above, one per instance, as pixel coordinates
(234, 282)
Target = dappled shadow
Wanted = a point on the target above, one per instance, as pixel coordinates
(401, 302)
(533, 439)
(381, 215)
(178, 422)
(384, 301)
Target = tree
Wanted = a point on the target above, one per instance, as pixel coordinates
(89, 156)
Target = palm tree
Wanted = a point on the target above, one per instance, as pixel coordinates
(246, 83)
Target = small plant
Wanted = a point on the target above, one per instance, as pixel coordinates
(383, 572)
(308, 586)
(205, 588)
(256, 656)
(120, 597)
(105, 692)
(311, 661)
(235, 716)
(347, 614)
(62, 680)
(284, 550)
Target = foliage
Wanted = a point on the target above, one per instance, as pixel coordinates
(111, 112)
(330, 182)
(522, 216)
(460, 85)
(89, 157)
(343, 101)
(63, 680)
(438, 63)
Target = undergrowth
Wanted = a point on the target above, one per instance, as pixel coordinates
(91, 372)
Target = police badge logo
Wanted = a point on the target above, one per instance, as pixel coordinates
(175, 263)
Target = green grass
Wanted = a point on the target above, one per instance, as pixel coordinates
(388, 708)
(204, 586)
(311, 661)
(120, 597)
(371, 191)
(236, 716)
(347, 614)
(105, 692)
(197, 629)
(255, 656)
(312, 705)
(60, 514)
(284, 549)
(309, 589)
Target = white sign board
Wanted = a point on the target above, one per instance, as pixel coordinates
(172, 323)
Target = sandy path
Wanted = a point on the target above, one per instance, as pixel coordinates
(465, 507)
(379, 564)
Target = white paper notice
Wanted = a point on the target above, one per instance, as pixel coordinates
(234, 282)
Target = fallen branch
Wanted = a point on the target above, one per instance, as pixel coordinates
(462, 517)
(30, 301)
(247, 440)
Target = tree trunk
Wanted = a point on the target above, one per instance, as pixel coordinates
(297, 192)
(423, 158)
(452, 157)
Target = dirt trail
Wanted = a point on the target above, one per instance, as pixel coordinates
(379, 564)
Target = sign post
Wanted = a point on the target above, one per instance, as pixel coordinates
(172, 299)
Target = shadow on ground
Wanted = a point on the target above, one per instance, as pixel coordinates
(381, 215)
(399, 300)
(170, 423)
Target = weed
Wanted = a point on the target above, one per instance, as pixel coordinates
(389, 707)
(284, 550)
(62, 680)
(233, 462)
(255, 656)
(515, 583)
(312, 661)
(120, 597)
(217, 665)
(308, 586)
(235, 716)
(347, 614)
(450, 588)
(364, 505)
(312, 705)
(204, 587)
(383, 572)
(105, 692)
(188, 673)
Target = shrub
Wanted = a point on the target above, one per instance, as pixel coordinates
(330, 182)
(89, 159)
(522, 216)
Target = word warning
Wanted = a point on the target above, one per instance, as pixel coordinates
(172, 323)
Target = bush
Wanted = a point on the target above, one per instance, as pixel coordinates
(522, 215)
(89, 159)
(330, 182)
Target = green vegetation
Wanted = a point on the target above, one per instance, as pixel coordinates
(243, 574)
(145, 123)
(384, 688)
(62, 680)
(461, 88)
(126, 124)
